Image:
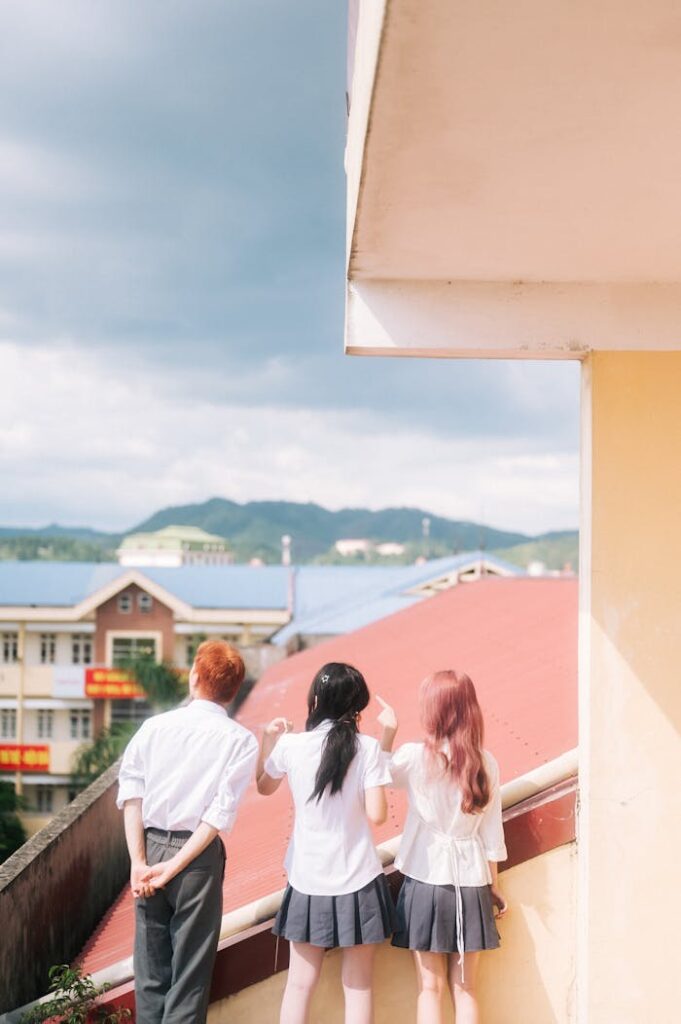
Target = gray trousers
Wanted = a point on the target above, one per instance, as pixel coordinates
(176, 936)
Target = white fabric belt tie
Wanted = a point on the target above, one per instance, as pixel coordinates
(452, 844)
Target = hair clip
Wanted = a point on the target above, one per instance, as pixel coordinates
(325, 679)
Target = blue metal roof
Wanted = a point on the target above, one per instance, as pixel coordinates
(225, 586)
(53, 583)
(62, 584)
(328, 598)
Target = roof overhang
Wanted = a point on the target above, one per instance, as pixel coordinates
(514, 177)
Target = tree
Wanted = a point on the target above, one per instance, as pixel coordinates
(92, 759)
(12, 834)
(164, 686)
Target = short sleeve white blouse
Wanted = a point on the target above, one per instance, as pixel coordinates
(331, 850)
(441, 844)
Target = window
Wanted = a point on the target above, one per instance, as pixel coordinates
(44, 799)
(129, 711)
(10, 648)
(144, 602)
(81, 649)
(193, 643)
(48, 648)
(8, 724)
(80, 722)
(45, 724)
(127, 648)
(125, 603)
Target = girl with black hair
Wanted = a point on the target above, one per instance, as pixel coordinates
(337, 893)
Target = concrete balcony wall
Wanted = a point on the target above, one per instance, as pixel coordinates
(78, 861)
(530, 979)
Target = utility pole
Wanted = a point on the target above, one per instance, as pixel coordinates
(425, 532)
(21, 655)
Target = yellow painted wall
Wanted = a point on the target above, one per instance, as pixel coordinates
(38, 681)
(630, 683)
(9, 680)
(529, 980)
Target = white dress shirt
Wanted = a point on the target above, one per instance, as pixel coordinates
(188, 765)
(441, 844)
(331, 851)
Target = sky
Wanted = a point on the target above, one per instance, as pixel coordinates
(172, 211)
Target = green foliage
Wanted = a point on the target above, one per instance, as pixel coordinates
(12, 834)
(91, 759)
(54, 549)
(164, 685)
(554, 550)
(433, 549)
(73, 1000)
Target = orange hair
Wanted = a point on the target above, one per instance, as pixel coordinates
(220, 670)
(452, 718)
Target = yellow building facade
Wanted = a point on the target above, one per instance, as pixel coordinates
(513, 192)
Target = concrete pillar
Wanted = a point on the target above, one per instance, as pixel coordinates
(630, 689)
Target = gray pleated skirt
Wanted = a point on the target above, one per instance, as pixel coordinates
(352, 919)
(426, 918)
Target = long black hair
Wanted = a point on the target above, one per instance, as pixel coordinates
(338, 693)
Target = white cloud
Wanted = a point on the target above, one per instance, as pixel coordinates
(82, 442)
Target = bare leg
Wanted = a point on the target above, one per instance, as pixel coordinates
(303, 974)
(358, 971)
(463, 991)
(431, 975)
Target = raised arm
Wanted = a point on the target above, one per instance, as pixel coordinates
(266, 783)
(387, 720)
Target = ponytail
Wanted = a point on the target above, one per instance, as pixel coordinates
(338, 693)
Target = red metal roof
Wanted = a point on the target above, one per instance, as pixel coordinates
(516, 638)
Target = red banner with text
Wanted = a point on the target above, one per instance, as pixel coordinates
(18, 757)
(111, 684)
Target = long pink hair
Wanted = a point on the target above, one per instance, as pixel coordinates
(452, 718)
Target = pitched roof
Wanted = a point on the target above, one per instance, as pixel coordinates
(62, 584)
(338, 599)
(318, 589)
(517, 638)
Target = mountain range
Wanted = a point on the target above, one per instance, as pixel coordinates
(254, 529)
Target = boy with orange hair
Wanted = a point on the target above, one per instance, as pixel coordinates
(182, 777)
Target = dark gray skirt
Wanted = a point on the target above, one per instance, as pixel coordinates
(426, 918)
(353, 919)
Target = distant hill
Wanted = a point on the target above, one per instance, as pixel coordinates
(255, 528)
